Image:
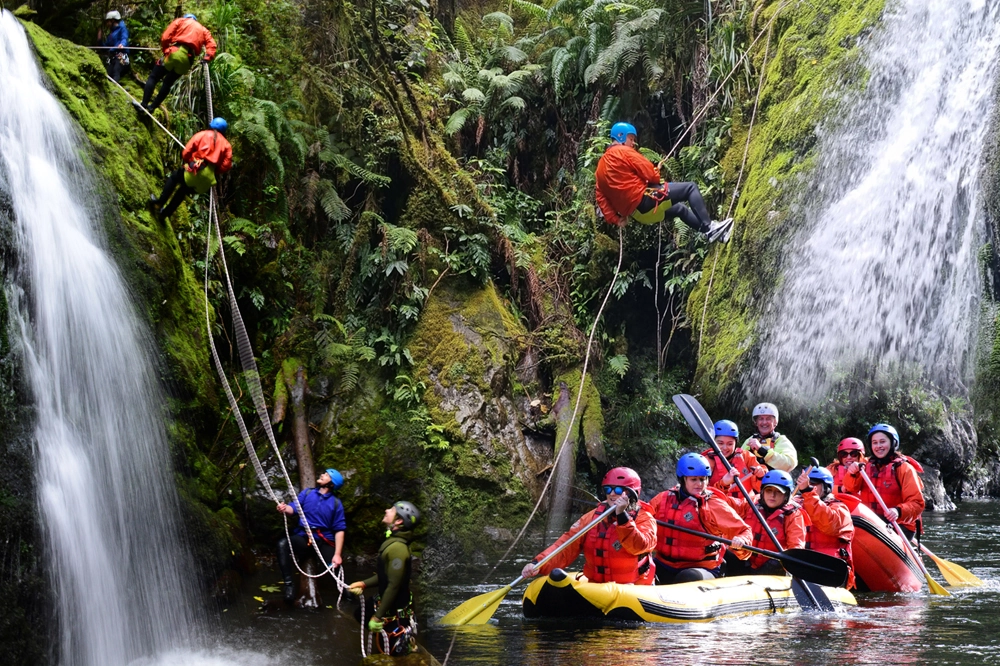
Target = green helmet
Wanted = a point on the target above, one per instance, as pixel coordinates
(408, 513)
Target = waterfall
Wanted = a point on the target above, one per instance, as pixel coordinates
(883, 277)
(106, 500)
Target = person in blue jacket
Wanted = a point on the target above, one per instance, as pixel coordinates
(114, 34)
(325, 515)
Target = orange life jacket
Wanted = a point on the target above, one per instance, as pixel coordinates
(606, 560)
(775, 521)
(830, 545)
(678, 549)
(839, 471)
(886, 480)
(739, 463)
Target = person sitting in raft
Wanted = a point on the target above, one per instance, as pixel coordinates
(628, 185)
(181, 42)
(325, 515)
(829, 528)
(743, 462)
(894, 476)
(682, 557)
(394, 615)
(114, 35)
(850, 449)
(206, 155)
(784, 518)
(771, 447)
(617, 549)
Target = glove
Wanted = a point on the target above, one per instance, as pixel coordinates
(375, 624)
(357, 588)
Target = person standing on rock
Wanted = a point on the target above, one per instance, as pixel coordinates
(206, 154)
(617, 549)
(830, 529)
(394, 616)
(769, 446)
(325, 514)
(850, 449)
(114, 35)
(744, 464)
(181, 42)
(629, 185)
(894, 476)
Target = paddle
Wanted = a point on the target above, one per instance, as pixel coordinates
(932, 584)
(701, 423)
(953, 573)
(810, 565)
(479, 610)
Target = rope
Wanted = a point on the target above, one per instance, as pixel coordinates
(123, 48)
(146, 111)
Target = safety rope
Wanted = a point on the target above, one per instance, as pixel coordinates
(123, 48)
(138, 105)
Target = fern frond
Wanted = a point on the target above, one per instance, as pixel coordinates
(330, 201)
(457, 121)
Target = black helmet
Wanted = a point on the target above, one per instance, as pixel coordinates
(408, 513)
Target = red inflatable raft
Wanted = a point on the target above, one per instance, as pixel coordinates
(881, 563)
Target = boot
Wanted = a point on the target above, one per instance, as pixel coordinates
(720, 231)
(285, 564)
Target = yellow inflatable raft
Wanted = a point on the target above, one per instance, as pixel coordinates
(564, 595)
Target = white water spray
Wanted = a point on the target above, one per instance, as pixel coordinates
(884, 276)
(106, 494)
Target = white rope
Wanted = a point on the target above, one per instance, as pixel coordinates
(146, 111)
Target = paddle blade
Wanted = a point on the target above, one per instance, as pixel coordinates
(935, 587)
(477, 610)
(696, 416)
(953, 573)
(801, 589)
(815, 567)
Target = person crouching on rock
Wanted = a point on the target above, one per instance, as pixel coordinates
(325, 515)
(829, 528)
(206, 155)
(616, 549)
(394, 615)
(784, 518)
(682, 557)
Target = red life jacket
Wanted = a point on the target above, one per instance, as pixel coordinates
(719, 470)
(776, 521)
(830, 545)
(678, 549)
(839, 471)
(606, 560)
(886, 481)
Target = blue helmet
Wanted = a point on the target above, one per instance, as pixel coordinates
(821, 474)
(219, 124)
(620, 131)
(776, 477)
(887, 429)
(727, 429)
(693, 464)
(190, 16)
(336, 478)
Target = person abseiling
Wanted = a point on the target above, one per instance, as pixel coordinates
(743, 462)
(327, 524)
(850, 449)
(682, 557)
(618, 548)
(893, 475)
(393, 568)
(206, 155)
(629, 185)
(771, 447)
(114, 35)
(829, 528)
(784, 518)
(181, 42)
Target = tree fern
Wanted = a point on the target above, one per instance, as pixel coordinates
(330, 201)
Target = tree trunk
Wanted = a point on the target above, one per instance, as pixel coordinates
(300, 429)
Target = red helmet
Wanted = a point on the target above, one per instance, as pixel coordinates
(850, 444)
(623, 476)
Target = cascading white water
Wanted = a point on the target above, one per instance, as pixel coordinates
(105, 484)
(884, 275)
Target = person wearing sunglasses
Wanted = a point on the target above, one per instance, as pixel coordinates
(829, 528)
(850, 449)
(617, 549)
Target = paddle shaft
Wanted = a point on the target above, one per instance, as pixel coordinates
(570, 540)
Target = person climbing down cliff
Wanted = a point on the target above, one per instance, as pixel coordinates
(206, 154)
(394, 614)
(114, 35)
(181, 42)
(629, 185)
(327, 524)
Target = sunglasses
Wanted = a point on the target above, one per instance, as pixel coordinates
(617, 490)
(849, 454)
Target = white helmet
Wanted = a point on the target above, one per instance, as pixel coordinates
(766, 409)
(112, 16)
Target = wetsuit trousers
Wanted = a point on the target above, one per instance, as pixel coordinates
(169, 79)
(115, 67)
(175, 185)
(696, 216)
(302, 552)
(666, 575)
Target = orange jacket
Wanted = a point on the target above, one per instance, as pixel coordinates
(830, 529)
(839, 471)
(212, 147)
(189, 33)
(743, 461)
(788, 523)
(623, 175)
(715, 514)
(637, 536)
(897, 483)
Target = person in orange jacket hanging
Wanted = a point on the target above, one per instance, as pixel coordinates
(629, 185)
(784, 518)
(829, 528)
(206, 154)
(181, 42)
(682, 557)
(743, 462)
(618, 548)
(850, 449)
(894, 476)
